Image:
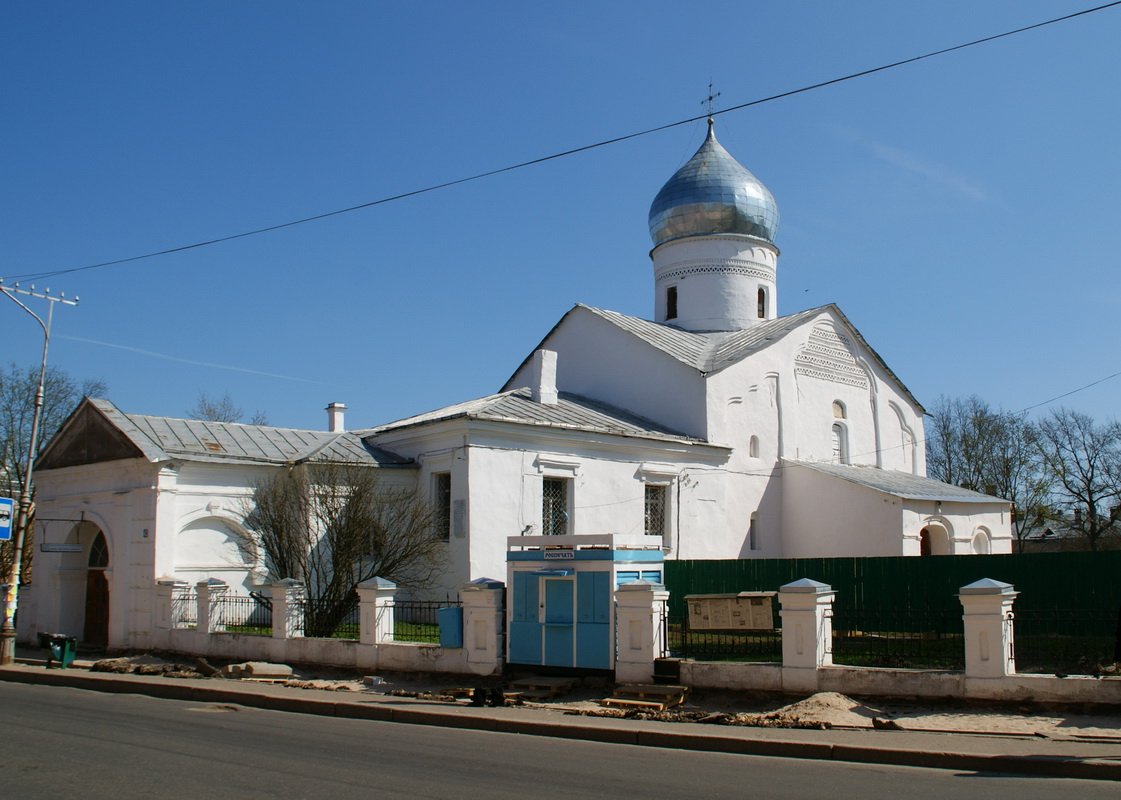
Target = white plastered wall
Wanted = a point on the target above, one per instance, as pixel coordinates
(962, 521)
(119, 497)
(598, 360)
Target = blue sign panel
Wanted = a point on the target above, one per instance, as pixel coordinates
(7, 514)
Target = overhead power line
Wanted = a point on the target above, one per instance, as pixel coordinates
(564, 153)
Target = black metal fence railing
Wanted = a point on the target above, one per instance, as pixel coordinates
(903, 637)
(185, 610)
(418, 620)
(235, 613)
(1066, 641)
(331, 619)
(718, 645)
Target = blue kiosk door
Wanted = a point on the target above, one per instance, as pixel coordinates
(558, 620)
(562, 619)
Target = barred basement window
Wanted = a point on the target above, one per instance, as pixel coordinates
(442, 497)
(655, 510)
(840, 444)
(554, 506)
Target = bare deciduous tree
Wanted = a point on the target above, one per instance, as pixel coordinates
(333, 526)
(996, 452)
(1085, 459)
(222, 409)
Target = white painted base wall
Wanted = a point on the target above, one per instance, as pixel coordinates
(391, 657)
(902, 683)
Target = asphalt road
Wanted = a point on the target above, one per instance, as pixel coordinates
(60, 743)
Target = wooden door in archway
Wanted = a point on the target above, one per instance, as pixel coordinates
(96, 631)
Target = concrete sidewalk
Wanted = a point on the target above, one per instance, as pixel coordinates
(956, 751)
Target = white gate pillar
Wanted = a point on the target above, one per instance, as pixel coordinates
(484, 610)
(287, 598)
(375, 601)
(210, 595)
(987, 619)
(640, 606)
(807, 632)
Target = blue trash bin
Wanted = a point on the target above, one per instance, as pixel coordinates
(451, 626)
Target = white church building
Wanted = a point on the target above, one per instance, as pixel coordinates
(716, 429)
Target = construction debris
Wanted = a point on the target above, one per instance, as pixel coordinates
(646, 697)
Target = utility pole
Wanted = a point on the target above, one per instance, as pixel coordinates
(23, 514)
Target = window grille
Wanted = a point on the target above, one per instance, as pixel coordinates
(655, 510)
(554, 506)
(840, 445)
(442, 495)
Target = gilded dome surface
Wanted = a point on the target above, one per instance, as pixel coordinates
(713, 193)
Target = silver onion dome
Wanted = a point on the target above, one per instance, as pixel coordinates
(713, 193)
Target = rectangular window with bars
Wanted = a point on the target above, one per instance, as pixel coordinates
(655, 510)
(442, 497)
(554, 506)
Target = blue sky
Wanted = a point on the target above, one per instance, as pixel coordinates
(962, 211)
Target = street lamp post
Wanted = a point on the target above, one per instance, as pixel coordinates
(23, 514)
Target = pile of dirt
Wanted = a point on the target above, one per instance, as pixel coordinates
(325, 685)
(821, 711)
(145, 665)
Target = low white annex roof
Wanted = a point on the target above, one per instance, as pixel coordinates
(903, 485)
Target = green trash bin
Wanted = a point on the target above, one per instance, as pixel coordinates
(59, 647)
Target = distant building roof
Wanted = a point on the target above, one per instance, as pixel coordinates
(900, 484)
(571, 412)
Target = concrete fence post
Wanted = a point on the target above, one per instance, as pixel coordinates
(375, 600)
(287, 597)
(639, 608)
(807, 632)
(989, 636)
(484, 611)
(211, 592)
(165, 601)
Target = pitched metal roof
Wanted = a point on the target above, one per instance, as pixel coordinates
(571, 412)
(161, 438)
(709, 352)
(900, 484)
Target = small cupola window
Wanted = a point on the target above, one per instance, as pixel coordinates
(671, 302)
(761, 302)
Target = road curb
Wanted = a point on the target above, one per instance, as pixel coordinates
(1061, 766)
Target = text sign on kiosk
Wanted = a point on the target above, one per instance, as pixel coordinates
(7, 512)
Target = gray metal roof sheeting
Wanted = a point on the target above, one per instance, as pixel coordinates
(713, 351)
(900, 484)
(161, 438)
(571, 412)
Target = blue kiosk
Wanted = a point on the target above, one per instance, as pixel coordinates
(561, 607)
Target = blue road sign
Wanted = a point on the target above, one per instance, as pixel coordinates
(7, 512)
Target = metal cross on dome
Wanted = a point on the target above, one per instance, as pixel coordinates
(708, 100)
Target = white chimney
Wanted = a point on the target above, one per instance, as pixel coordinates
(544, 376)
(335, 413)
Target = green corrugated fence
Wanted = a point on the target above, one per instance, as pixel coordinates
(1052, 582)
